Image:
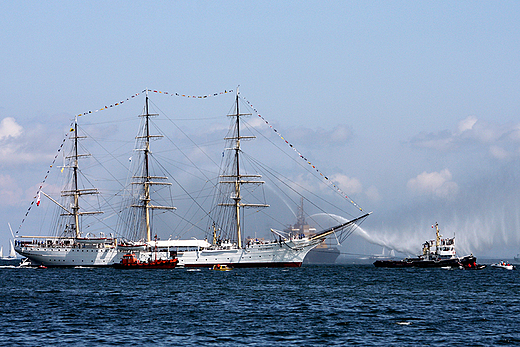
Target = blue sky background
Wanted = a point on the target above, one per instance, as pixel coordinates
(412, 106)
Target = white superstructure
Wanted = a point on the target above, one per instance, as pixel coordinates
(228, 246)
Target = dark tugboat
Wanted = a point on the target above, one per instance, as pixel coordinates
(436, 253)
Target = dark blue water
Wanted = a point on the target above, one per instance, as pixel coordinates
(308, 306)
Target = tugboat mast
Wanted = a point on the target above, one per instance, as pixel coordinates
(437, 239)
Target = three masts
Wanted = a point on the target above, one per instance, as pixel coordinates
(72, 248)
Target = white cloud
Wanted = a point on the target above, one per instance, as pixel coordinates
(467, 124)
(499, 152)
(498, 140)
(347, 184)
(437, 184)
(9, 128)
(340, 134)
(19, 146)
(373, 194)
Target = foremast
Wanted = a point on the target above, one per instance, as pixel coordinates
(236, 178)
(75, 192)
(146, 180)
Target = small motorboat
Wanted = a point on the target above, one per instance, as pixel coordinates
(42, 266)
(224, 267)
(504, 265)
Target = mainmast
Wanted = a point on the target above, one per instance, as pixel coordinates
(146, 199)
(75, 208)
(237, 177)
(148, 180)
(237, 181)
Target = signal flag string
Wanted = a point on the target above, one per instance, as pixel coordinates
(37, 196)
(158, 92)
(301, 156)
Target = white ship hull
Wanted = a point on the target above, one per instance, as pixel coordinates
(272, 254)
(68, 257)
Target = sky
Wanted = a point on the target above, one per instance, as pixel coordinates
(410, 107)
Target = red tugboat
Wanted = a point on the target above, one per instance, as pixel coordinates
(130, 261)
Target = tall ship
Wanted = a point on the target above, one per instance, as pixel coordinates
(135, 239)
(435, 253)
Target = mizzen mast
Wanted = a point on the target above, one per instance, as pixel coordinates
(236, 178)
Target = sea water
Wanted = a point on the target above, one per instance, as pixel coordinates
(307, 306)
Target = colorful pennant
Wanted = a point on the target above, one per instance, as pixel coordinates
(36, 198)
(158, 92)
(301, 156)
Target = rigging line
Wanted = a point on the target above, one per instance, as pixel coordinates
(186, 135)
(304, 158)
(44, 179)
(271, 171)
(178, 166)
(353, 228)
(193, 225)
(273, 176)
(100, 164)
(102, 221)
(110, 154)
(185, 191)
(111, 105)
(293, 159)
(190, 96)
